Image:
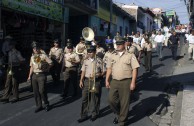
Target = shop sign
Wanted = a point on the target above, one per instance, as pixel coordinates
(105, 15)
(49, 9)
(169, 13)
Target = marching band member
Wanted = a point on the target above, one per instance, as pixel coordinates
(39, 65)
(56, 55)
(92, 72)
(70, 62)
(13, 74)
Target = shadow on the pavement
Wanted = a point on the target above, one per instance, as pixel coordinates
(157, 66)
(105, 111)
(138, 111)
(26, 97)
(65, 101)
(166, 57)
(179, 57)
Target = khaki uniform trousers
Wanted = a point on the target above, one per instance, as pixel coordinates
(119, 97)
(90, 101)
(191, 50)
(70, 77)
(12, 84)
(40, 93)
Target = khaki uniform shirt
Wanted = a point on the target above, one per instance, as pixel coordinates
(56, 54)
(89, 65)
(80, 47)
(14, 57)
(122, 66)
(37, 66)
(147, 47)
(137, 46)
(131, 49)
(106, 58)
(71, 56)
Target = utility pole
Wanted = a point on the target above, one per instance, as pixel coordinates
(111, 3)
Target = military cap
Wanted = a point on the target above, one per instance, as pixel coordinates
(110, 46)
(35, 44)
(69, 41)
(129, 39)
(87, 42)
(91, 48)
(81, 39)
(69, 45)
(120, 42)
(56, 41)
(8, 37)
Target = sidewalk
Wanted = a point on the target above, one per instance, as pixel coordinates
(184, 108)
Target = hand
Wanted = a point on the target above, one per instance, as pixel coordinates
(81, 85)
(132, 86)
(29, 78)
(98, 75)
(107, 84)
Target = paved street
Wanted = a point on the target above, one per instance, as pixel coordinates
(145, 100)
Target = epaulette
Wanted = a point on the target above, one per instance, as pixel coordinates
(114, 52)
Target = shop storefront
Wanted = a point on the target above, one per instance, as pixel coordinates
(30, 20)
(100, 23)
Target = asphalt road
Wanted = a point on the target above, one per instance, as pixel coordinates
(144, 101)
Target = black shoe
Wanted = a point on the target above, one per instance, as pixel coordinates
(83, 119)
(14, 100)
(47, 108)
(160, 59)
(93, 118)
(190, 58)
(4, 100)
(38, 109)
(115, 121)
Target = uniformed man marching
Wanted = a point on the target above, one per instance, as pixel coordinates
(122, 66)
(56, 55)
(39, 65)
(70, 62)
(133, 48)
(92, 72)
(108, 54)
(68, 42)
(13, 74)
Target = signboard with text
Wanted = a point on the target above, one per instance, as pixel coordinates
(46, 8)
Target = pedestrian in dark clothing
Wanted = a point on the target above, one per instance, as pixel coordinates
(174, 43)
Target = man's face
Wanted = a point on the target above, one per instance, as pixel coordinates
(174, 33)
(70, 50)
(91, 54)
(56, 44)
(159, 33)
(36, 50)
(120, 47)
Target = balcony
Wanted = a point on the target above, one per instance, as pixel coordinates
(85, 6)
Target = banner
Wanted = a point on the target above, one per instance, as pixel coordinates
(46, 9)
(105, 15)
(170, 13)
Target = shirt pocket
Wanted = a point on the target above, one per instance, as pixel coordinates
(126, 66)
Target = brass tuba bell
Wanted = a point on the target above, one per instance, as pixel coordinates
(88, 34)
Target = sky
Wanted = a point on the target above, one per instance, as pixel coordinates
(176, 5)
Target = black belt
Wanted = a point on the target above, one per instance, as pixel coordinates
(86, 78)
(71, 67)
(37, 73)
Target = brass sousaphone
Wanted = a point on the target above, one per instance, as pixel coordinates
(88, 35)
